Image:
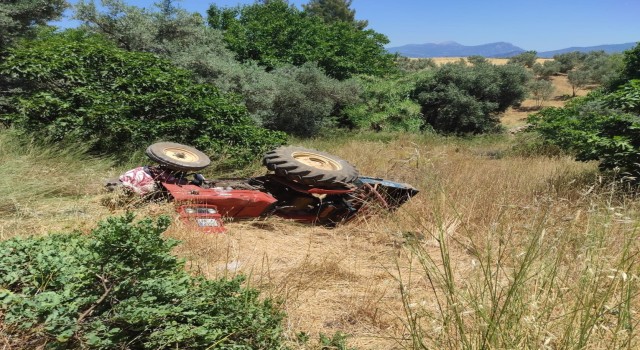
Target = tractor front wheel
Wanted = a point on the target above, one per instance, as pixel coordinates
(178, 157)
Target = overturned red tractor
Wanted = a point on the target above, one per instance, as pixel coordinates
(302, 184)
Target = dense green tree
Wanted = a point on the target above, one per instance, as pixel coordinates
(468, 99)
(18, 17)
(221, 17)
(275, 33)
(334, 11)
(527, 59)
(83, 87)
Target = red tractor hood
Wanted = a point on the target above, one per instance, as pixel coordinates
(231, 203)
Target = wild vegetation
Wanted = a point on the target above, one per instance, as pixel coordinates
(525, 240)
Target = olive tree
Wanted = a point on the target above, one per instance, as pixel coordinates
(462, 99)
(19, 17)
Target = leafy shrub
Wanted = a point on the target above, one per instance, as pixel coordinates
(602, 127)
(306, 98)
(386, 105)
(467, 99)
(121, 288)
(83, 87)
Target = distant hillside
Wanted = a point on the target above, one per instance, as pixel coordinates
(453, 49)
(606, 48)
(492, 50)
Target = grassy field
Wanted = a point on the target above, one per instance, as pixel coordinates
(501, 249)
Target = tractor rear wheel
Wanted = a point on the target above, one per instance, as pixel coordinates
(310, 167)
(178, 157)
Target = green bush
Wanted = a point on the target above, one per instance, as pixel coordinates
(527, 59)
(462, 99)
(120, 287)
(631, 68)
(385, 105)
(601, 127)
(306, 98)
(81, 86)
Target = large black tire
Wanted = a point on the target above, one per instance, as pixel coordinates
(310, 167)
(178, 157)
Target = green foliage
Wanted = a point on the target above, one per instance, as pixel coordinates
(19, 17)
(527, 59)
(477, 59)
(540, 90)
(338, 342)
(191, 45)
(593, 68)
(631, 68)
(569, 60)
(305, 98)
(467, 99)
(120, 287)
(409, 65)
(578, 80)
(275, 33)
(334, 11)
(82, 87)
(626, 98)
(171, 32)
(386, 105)
(546, 69)
(602, 127)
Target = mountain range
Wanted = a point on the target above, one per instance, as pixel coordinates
(492, 50)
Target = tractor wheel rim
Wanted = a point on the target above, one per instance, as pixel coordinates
(180, 154)
(317, 161)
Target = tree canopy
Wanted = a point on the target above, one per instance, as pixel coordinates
(18, 17)
(275, 33)
(334, 11)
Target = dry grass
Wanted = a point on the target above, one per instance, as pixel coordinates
(497, 251)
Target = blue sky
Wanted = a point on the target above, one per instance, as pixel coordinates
(540, 25)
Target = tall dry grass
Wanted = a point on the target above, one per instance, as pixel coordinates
(500, 249)
(44, 187)
(509, 253)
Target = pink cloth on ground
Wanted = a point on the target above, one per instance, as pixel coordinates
(138, 181)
